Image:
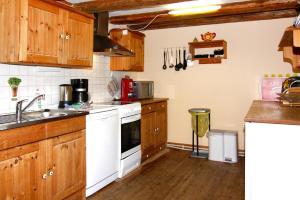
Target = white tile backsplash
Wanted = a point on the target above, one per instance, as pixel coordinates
(48, 79)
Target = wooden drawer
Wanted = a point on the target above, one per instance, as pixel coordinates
(161, 105)
(152, 107)
(148, 108)
(19, 136)
(65, 126)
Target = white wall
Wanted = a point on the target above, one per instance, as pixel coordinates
(228, 88)
(48, 79)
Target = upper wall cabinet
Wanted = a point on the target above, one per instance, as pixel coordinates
(133, 41)
(42, 32)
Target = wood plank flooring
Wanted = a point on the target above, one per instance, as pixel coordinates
(177, 176)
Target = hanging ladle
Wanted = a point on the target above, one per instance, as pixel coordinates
(176, 66)
(171, 59)
(184, 59)
(164, 66)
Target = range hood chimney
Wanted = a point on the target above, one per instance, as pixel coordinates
(103, 45)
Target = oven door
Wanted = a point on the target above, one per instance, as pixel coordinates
(130, 135)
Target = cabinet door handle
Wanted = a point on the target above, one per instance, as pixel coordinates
(44, 176)
(62, 36)
(149, 108)
(50, 173)
(157, 130)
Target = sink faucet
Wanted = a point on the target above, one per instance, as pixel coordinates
(19, 104)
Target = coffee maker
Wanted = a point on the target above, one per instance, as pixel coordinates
(127, 90)
(80, 90)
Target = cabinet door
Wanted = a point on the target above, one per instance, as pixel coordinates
(147, 135)
(161, 124)
(40, 30)
(66, 165)
(78, 40)
(137, 45)
(133, 41)
(120, 63)
(21, 171)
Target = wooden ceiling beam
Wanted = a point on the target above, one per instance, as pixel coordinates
(115, 5)
(219, 19)
(257, 6)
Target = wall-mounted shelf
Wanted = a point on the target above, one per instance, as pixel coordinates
(290, 45)
(220, 44)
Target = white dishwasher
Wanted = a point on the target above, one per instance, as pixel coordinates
(102, 148)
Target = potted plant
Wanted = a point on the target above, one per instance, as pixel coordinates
(14, 83)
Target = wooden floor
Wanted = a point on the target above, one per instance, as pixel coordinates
(177, 176)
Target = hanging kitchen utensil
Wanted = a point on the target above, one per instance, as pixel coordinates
(189, 60)
(168, 58)
(180, 65)
(176, 66)
(164, 66)
(184, 59)
(171, 60)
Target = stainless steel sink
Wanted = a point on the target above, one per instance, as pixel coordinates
(30, 118)
(43, 115)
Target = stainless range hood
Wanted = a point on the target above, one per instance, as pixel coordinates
(103, 45)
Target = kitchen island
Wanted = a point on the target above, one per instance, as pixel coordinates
(272, 151)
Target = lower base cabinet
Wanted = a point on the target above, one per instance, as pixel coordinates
(66, 165)
(153, 129)
(21, 172)
(52, 168)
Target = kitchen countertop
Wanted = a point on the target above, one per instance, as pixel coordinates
(273, 113)
(153, 100)
(12, 125)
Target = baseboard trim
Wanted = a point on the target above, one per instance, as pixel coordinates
(188, 147)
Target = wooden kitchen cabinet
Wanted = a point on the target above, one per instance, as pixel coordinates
(133, 41)
(53, 168)
(21, 170)
(148, 138)
(79, 40)
(153, 128)
(66, 164)
(43, 32)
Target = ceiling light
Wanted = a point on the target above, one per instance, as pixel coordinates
(197, 10)
(192, 4)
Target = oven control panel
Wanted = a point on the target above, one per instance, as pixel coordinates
(130, 109)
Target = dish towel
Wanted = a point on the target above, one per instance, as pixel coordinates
(203, 123)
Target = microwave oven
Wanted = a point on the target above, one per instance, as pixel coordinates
(143, 89)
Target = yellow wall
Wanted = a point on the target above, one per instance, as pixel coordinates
(228, 88)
